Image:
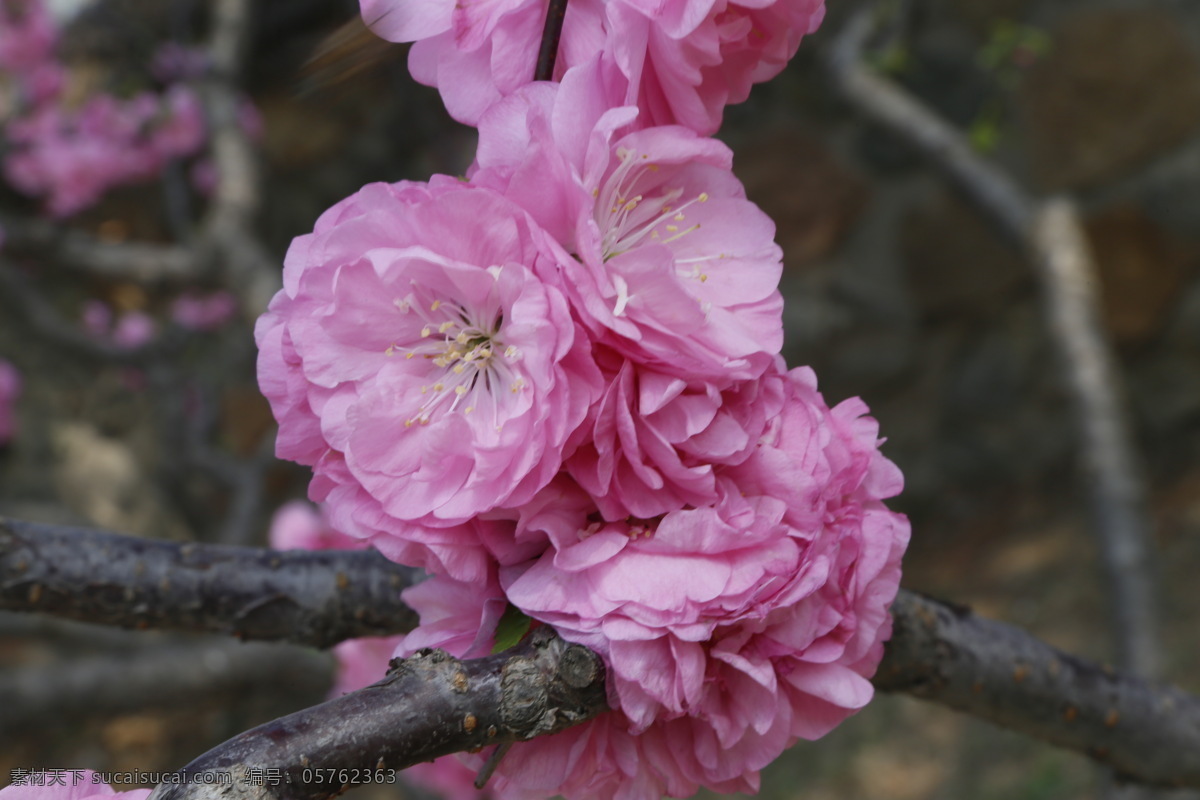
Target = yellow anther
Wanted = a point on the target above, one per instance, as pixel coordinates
(435, 305)
(703, 198)
(424, 389)
(460, 390)
(468, 409)
(409, 355)
(408, 423)
(462, 337)
(652, 167)
(391, 350)
(678, 217)
(510, 351)
(445, 326)
(459, 368)
(437, 387)
(426, 331)
(672, 228)
(703, 277)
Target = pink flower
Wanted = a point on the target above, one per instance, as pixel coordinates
(134, 330)
(656, 439)
(679, 61)
(28, 35)
(734, 629)
(674, 268)
(417, 361)
(10, 390)
(298, 525)
(65, 784)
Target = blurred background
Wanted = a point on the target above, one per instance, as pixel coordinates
(139, 411)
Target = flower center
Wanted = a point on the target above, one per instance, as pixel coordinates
(626, 218)
(469, 363)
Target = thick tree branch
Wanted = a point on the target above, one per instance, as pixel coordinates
(429, 705)
(314, 598)
(1050, 234)
(1149, 733)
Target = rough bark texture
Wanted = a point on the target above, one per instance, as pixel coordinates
(429, 705)
(314, 598)
(1149, 733)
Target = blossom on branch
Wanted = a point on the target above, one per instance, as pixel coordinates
(680, 61)
(416, 360)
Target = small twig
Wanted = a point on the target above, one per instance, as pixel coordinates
(489, 767)
(551, 33)
(315, 598)
(168, 675)
(429, 705)
(226, 233)
(1049, 233)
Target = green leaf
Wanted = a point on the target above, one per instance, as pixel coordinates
(512, 628)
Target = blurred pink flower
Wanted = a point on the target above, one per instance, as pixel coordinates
(10, 390)
(674, 267)
(134, 329)
(203, 312)
(679, 61)
(65, 784)
(299, 525)
(415, 359)
(28, 35)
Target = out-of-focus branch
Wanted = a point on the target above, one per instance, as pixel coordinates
(315, 598)
(22, 301)
(1049, 233)
(1149, 733)
(429, 705)
(162, 676)
(226, 233)
(44, 241)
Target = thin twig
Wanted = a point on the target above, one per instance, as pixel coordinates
(1049, 232)
(551, 33)
(170, 675)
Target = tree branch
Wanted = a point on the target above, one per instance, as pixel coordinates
(314, 598)
(164, 676)
(429, 705)
(1049, 233)
(1148, 732)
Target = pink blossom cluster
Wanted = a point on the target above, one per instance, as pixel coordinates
(70, 152)
(679, 61)
(556, 385)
